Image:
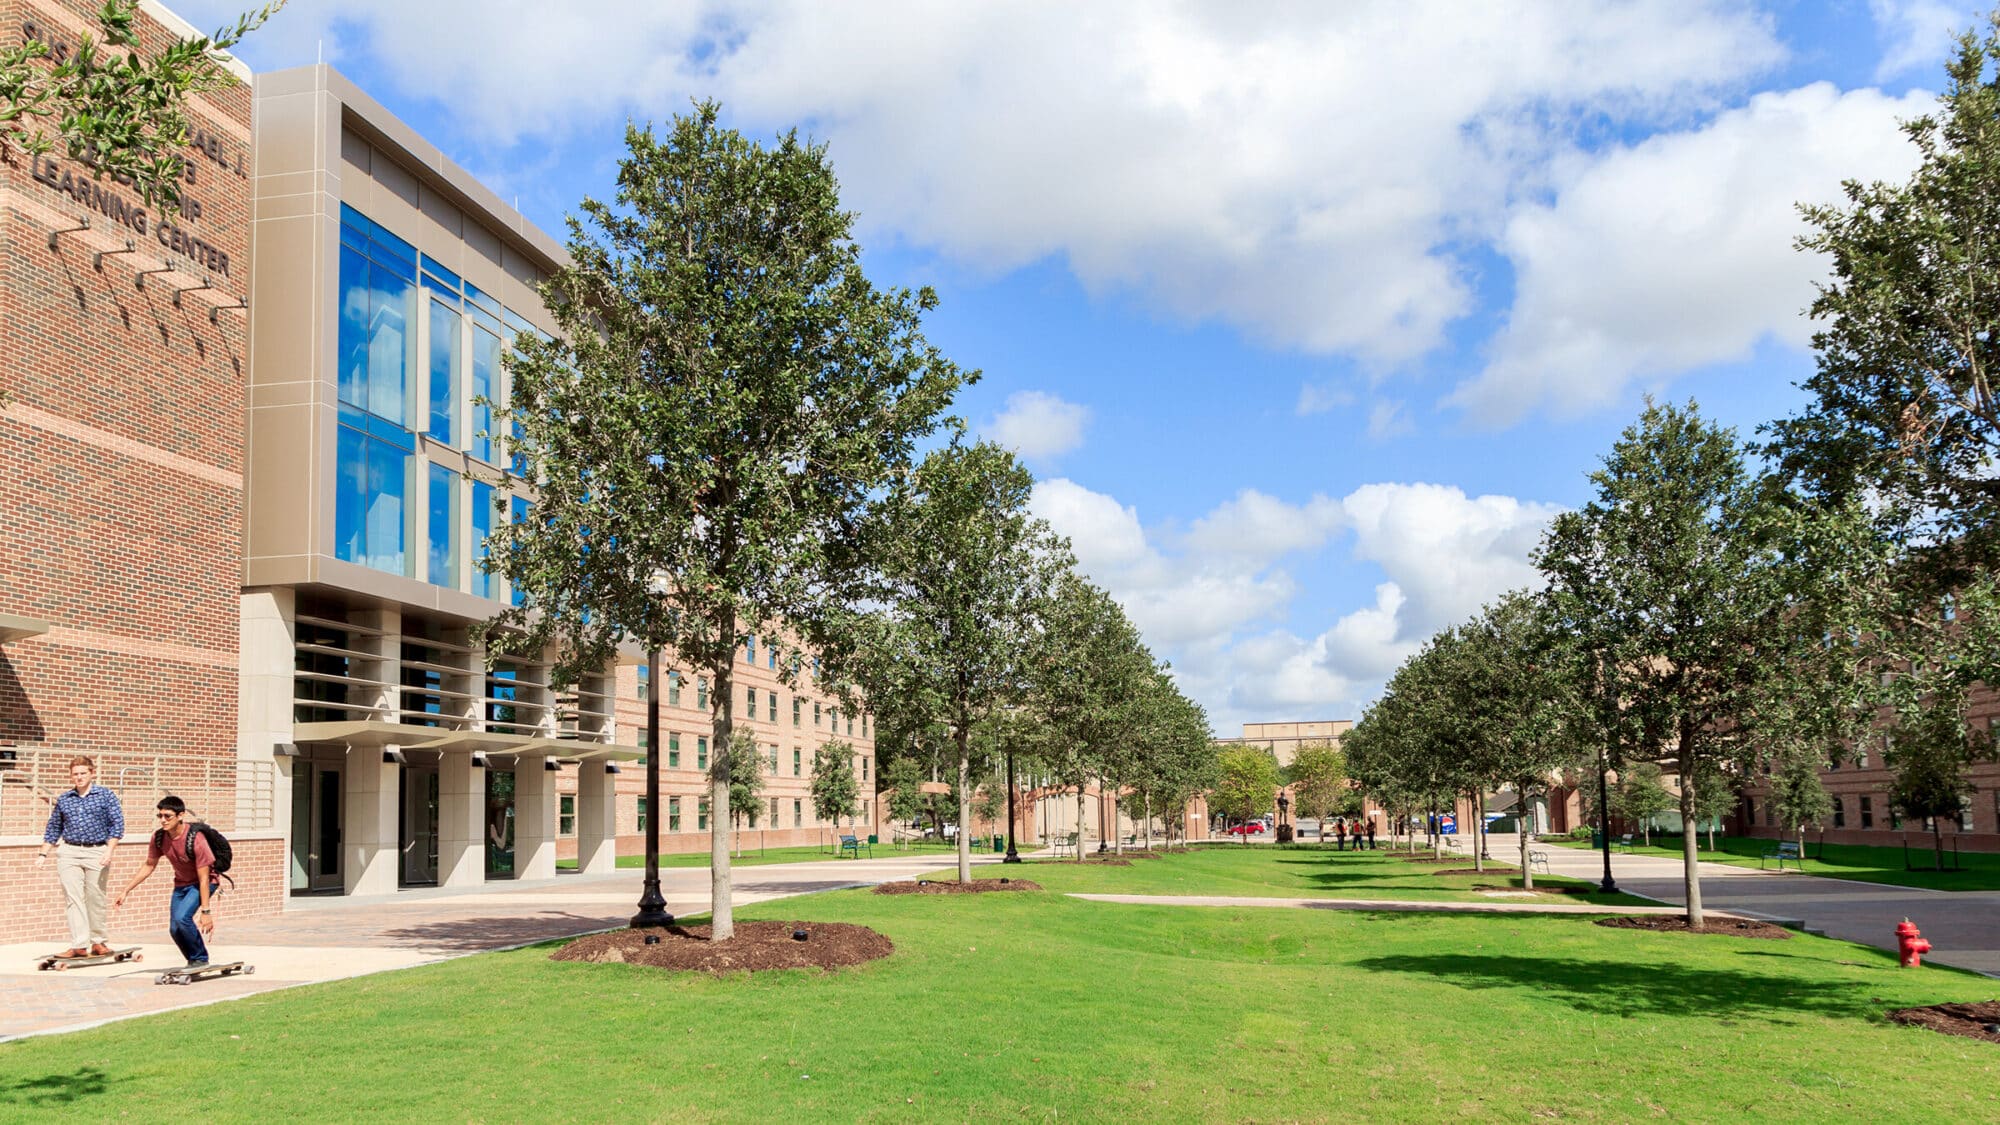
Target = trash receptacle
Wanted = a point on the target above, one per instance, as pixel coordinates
(1596, 839)
(999, 843)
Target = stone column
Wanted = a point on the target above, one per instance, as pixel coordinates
(596, 820)
(369, 855)
(461, 821)
(534, 819)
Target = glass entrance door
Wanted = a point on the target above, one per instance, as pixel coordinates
(316, 836)
(499, 824)
(418, 831)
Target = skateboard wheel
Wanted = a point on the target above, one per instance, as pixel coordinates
(59, 966)
(138, 957)
(249, 968)
(161, 979)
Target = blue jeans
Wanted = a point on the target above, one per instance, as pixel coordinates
(182, 926)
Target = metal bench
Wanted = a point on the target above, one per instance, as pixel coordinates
(1625, 841)
(850, 845)
(1785, 850)
(1537, 858)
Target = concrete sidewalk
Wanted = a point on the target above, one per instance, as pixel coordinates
(328, 938)
(1963, 926)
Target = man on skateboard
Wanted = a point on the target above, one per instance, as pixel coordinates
(189, 911)
(83, 831)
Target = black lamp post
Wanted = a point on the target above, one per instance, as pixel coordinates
(1103, 837)
(1610, 885)
(1012, 855)
(652, 904)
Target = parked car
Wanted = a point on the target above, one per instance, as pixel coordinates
(1253, 828)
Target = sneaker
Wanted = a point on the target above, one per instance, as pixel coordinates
(74, 954)
(99, 949)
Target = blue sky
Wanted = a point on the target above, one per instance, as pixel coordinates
(1308, 317)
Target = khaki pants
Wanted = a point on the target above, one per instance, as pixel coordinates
(86, 885)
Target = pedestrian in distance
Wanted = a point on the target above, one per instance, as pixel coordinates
(83, 831)
(1340, 832)
(190, 911)
(1371, 833)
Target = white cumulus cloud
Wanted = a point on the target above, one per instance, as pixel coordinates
(1038, 425)
(1677, 252)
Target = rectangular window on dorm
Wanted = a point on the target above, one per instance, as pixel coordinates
(673, 689)
(443, 530)
(796, 761)
(750, 699)
(772, 707)
(642, 814)
(798, 813)
(566, 815)
(750, 649)
(701, 815)
(701, 693)
(701, 753)
(645, 680)
(1867, 812)
(795, 710)
(673, 750)
(673, 814)
(483, 583)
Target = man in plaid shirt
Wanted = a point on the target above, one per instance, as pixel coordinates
(84, 829)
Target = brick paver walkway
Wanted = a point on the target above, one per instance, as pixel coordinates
(318, 939)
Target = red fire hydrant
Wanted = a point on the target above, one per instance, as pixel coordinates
(1911, 941)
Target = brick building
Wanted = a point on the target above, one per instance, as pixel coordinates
(238, 554)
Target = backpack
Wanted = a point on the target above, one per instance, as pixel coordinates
(217, 843)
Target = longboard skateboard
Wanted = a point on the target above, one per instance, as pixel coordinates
(58, 962)
(189, 974)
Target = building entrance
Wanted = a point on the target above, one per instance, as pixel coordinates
(499, 824)
(316, 812)
(417, 833)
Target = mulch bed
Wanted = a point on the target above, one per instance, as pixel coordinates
(1974, 1021)
(756, 947)
(1676, 924)
(953, 886)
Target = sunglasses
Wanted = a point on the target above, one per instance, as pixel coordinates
(165, 815)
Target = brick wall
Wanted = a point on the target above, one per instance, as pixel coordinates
(32, 904)
(123, 447)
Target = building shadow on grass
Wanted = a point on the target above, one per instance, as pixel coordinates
(1622, 989)
(470, 935)
(52, 1090)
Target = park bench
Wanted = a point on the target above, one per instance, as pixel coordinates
(853, 845)
(1538, 858)
(1784, 851)
(1625, 841)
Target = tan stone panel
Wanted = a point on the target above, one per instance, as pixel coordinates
(286, 296)
(287, 133)
(282, 474)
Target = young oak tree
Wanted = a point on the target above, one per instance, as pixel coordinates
(1668, 578)
(1318, 776)
(835, 792)
(113, 108)
(726, 393)
(958, 568)
(1084, 662)
(1246, 782)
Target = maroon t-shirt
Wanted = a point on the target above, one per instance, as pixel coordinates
(177, 854)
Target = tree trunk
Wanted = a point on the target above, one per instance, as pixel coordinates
(1479, 831)
(1079, 821)
(722, 913)
(1149, 822)
(1937, 841)
(1690, 845)
(964, 738)
(1521, 823)
(1117, 837)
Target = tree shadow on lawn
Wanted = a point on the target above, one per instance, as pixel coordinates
(471, 935)
(1618, 988)
(54, 1089)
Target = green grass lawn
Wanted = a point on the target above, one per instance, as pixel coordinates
(1280, 871)
(1039, 1006)
(1870, 863)
(753, 857)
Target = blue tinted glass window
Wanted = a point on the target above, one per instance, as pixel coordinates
(482, 527)
(444, 368)
(443, 526)
(388, 344)
(440, 277)
(485, 385)
(353, 344)
(370, 501)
